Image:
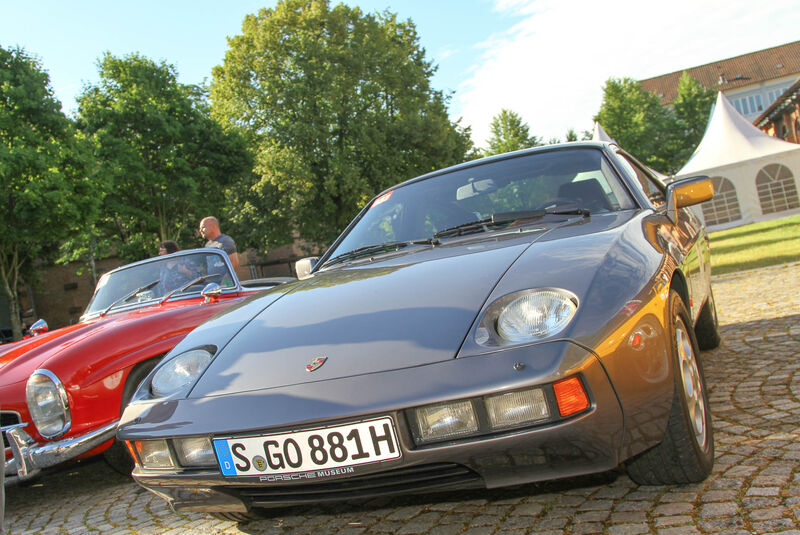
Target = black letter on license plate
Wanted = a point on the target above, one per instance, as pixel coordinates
(376, 440)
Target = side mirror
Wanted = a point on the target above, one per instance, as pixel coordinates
(211, 291)
(687, 193)
(38, 327)
(304, 266)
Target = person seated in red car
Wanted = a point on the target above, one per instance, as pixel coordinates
(175, 273)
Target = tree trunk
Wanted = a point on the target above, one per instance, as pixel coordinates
(13, 308)
(9, 277)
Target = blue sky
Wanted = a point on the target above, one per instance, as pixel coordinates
(545, 59)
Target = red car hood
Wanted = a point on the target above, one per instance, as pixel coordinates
(100, 339)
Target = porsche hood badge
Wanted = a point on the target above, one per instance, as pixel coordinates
(315, 364)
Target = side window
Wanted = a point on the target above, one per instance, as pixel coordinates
(652, 189)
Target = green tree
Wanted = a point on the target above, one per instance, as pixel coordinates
(571, 135)
(662, 137)
(636, 120)
(692, 108)
(508, 133)
(46, 192)
(163, 160)
(337, 105)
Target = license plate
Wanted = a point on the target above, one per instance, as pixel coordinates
(311, 451)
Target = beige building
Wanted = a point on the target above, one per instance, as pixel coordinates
(751, 82)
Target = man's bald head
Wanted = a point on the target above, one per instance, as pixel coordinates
(209, 228)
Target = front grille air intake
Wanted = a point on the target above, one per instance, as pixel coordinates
(425, 478)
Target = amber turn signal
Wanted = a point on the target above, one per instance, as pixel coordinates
(131, 451)
(570, 396)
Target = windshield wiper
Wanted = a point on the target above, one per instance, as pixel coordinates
(127, 297)
(482, 225)
(500, 218)
(188, 285)
(465, 228)
(567, 209)
(378, 248)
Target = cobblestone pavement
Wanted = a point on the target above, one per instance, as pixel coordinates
(754, 380)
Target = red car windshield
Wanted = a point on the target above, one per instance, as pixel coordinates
(153, 279)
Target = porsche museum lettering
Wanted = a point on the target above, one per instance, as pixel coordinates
(308, 475)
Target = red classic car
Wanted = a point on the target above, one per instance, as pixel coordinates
(63, 391)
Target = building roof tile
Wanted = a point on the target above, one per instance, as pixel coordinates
(731, 73)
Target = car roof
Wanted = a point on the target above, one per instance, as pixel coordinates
(504, 156)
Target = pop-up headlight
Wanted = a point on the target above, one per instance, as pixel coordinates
(526, 316)
(180, 372)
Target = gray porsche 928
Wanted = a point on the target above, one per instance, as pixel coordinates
(523, 317)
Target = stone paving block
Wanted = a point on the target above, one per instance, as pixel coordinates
(681, 530)
(480, 530)
(677, 520)
(592, 516)
(586, 528)
(628, 529)
(446, 529)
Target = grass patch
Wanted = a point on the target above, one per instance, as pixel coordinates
(756, 245)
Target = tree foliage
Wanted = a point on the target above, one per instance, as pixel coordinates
(43, 182)
(509, 133)
(692, 109)
(162, 160)
(662, 137)
(635, 119)
(337, 105)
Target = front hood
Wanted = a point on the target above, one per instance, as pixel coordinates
(408, 311)
(20, 359)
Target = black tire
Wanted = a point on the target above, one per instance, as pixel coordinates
(707, 327)
(117, 456)
(686, 455)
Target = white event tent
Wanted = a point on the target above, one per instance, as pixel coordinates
(755, 175)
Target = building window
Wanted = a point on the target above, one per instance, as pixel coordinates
(742, 106)
(724, 207)
(773, 95)
(777, 191)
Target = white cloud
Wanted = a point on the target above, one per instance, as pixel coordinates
(550, 66)
(446, 53)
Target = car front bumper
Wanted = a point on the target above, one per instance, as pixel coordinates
(587, 443)
(28, 457)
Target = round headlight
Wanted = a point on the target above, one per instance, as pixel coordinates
(536, 314)
(179, 372)
(48, 404)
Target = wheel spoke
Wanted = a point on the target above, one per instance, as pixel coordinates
(690, 379)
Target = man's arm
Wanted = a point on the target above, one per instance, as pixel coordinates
(234, 260)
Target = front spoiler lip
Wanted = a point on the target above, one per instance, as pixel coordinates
(28, 457)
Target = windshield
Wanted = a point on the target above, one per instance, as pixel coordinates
(542, 182)
(157, 278)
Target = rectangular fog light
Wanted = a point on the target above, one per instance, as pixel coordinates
(445, 421)
(514, 409)
(154, 454)
(195, 452)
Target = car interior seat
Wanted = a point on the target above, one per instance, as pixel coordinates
(589, 193)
